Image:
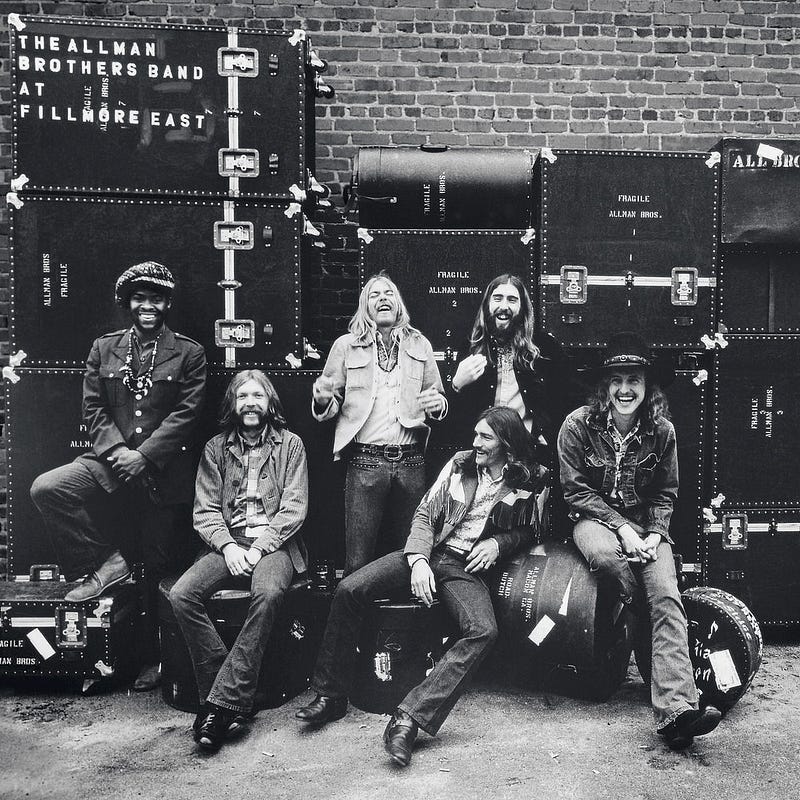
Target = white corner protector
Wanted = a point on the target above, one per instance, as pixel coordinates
(12, 199)
(364, 235)
(547, 154)
(714, 159)
(297, 193)
(299, 35)
(293, 361)
(16, 22)
(528, 236)
(18, 182)
(292, 209)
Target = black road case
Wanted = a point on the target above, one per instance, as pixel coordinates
(754, 553)
(237, 268)
(139, 107)
(760, 185)
(288, 660)
(434, 186)
(442, 275)
(758, 290)
(756, 422)
(628, 241)
(42, 635)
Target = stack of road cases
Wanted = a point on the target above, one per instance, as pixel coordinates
(752, 542)
(132, 141)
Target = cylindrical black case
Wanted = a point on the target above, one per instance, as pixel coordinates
(438, 187)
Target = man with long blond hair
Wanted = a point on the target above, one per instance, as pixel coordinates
(251, 497)
(381, 384)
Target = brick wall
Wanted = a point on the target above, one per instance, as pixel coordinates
(638, 74)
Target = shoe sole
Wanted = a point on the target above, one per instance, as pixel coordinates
(208, 745)
(321, 720)
(100, 593)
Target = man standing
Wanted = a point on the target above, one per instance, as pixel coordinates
(485, 505)
(251, 497)
(506, 366)
(381, 383)
(142, 393)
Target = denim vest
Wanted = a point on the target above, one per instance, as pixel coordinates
(648, 481)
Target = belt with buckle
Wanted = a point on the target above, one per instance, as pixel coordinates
(391, 452)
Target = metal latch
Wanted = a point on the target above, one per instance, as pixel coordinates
(234, 235)
(70, 628)
(734, 531)
(684, 286)
(573, 285)
(272, 64)
(238, 163)
(235, 333)
(237, 62)
(44, 572)
(273, 162)
(5, 616)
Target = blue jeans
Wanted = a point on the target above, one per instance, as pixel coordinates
(463, 594)
(229, 679)
(672, 687)
(378, 490)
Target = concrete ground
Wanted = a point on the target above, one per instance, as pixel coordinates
(496, 744)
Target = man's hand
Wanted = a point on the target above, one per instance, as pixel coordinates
(322, 391)
(423, 584)
(431, 401)
(483, 555)
(468, 371)
(126, 463)
(236, 559)
(650, 546)
(632, 544)
(253, 556)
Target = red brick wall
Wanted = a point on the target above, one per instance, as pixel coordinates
(639, 74)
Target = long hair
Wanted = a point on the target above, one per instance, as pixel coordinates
(525, 350)
(362, 326)
(653, 408)
(228, 419)
(516, 441)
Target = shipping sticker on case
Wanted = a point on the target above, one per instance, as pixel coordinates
(725, 672)
(542, 629)
(40, 644)
(565, 601)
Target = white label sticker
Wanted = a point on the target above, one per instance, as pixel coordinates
(542, 629)
(725, 672)
(42, 646)
(769, 152)
(565, 602)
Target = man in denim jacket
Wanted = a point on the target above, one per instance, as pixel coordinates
(619, 473)
(251, 498)
(485, 505)
(381, 384)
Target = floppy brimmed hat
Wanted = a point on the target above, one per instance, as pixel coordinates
(628, 350)
(148, 273)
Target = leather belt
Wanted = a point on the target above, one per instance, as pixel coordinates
(391, 452)
(455, 552)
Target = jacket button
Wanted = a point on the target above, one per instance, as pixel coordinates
(169, 377)
(110, 374)
(138, 412)
(138, 430)
(235, 483)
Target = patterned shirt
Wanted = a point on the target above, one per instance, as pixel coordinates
(508, 393)
(620, 448)
(249, 516)
(471, 527)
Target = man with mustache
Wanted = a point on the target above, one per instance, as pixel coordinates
(382, 385)
(142, 393)
(485, 505)
(251, 497)
(508, 366)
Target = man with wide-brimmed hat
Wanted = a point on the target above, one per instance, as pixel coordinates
(142, 393)
(619, 473)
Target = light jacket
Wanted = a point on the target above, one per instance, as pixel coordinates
(351, 365)
(648, 484)
(282, 485)
(515, 519)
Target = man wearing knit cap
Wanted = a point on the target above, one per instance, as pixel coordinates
(142, 393)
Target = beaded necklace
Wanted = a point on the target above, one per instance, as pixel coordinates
(140, 385)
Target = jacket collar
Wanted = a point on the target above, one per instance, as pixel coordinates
(166, 345)
(601, 427)
(233, 442)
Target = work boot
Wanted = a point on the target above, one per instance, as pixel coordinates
(112, 571)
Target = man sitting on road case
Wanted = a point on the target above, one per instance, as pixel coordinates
(142, 393)
(251, 497)
(485, 505)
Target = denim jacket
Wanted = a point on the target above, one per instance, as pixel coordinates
(351, 365)
(648, 484)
